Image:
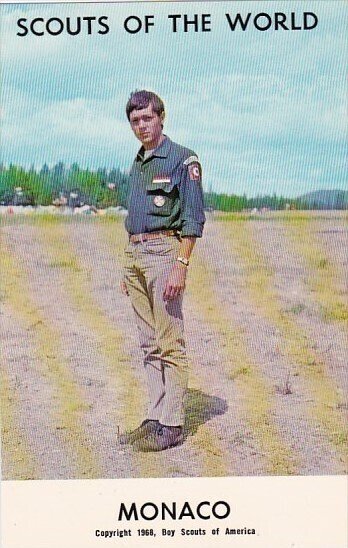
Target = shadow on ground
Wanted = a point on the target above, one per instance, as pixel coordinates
(200, 408)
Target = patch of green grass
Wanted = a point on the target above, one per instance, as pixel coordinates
(341, 438)
(297, 309)
(338, 311)
(51, 220)
(312, 362)
(240, 371)
(65, 264)
(296, 217)
(323, 263)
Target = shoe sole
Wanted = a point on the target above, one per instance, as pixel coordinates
(140, 450)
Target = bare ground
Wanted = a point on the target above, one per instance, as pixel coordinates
(292, 398)
(64, 411)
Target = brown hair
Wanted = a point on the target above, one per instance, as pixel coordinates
(142, 99)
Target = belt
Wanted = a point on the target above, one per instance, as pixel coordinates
(135, 238)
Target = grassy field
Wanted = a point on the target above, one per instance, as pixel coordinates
(266, 328)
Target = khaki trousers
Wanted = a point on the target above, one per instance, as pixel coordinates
(160, 325)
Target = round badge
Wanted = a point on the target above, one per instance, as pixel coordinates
(159, 201)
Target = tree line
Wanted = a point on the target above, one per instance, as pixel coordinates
(100, 188)
(106, 188)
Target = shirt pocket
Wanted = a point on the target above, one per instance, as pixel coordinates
(161, 198)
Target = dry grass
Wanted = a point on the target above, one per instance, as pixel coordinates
(257, 396)
(17, 455)
(295, 344)
(48, 345)
(240, 367)
(323, 275)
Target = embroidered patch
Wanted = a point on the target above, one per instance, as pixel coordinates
(194, 172)
(159, 201)
(161, 180)
(190, 160)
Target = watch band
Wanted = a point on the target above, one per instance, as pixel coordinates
(183, 260)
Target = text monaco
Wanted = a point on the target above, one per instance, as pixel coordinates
(150, 511)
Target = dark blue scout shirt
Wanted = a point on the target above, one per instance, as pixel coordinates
(165, 191)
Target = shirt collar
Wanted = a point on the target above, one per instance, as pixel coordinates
(161, 151)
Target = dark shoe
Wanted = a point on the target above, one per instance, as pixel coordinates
(162, 438)
(147, 427)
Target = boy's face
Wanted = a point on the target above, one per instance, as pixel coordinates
(147, 126)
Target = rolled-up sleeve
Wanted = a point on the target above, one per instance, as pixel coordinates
(191, 198)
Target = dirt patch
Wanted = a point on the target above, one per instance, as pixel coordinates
(72, 275)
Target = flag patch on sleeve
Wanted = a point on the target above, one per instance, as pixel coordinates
(194, 171)
(194, 168)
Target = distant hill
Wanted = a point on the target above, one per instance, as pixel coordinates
(325, 199)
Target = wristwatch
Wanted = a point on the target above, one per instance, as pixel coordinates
(183, 260)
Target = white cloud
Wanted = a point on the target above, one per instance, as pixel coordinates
(260, 106)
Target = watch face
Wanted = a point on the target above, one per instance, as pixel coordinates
(159, 201)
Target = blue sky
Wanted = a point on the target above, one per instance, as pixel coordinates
(265, 111)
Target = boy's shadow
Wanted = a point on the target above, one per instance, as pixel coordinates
(200, 408)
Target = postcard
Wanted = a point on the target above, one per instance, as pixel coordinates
(173, 210)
